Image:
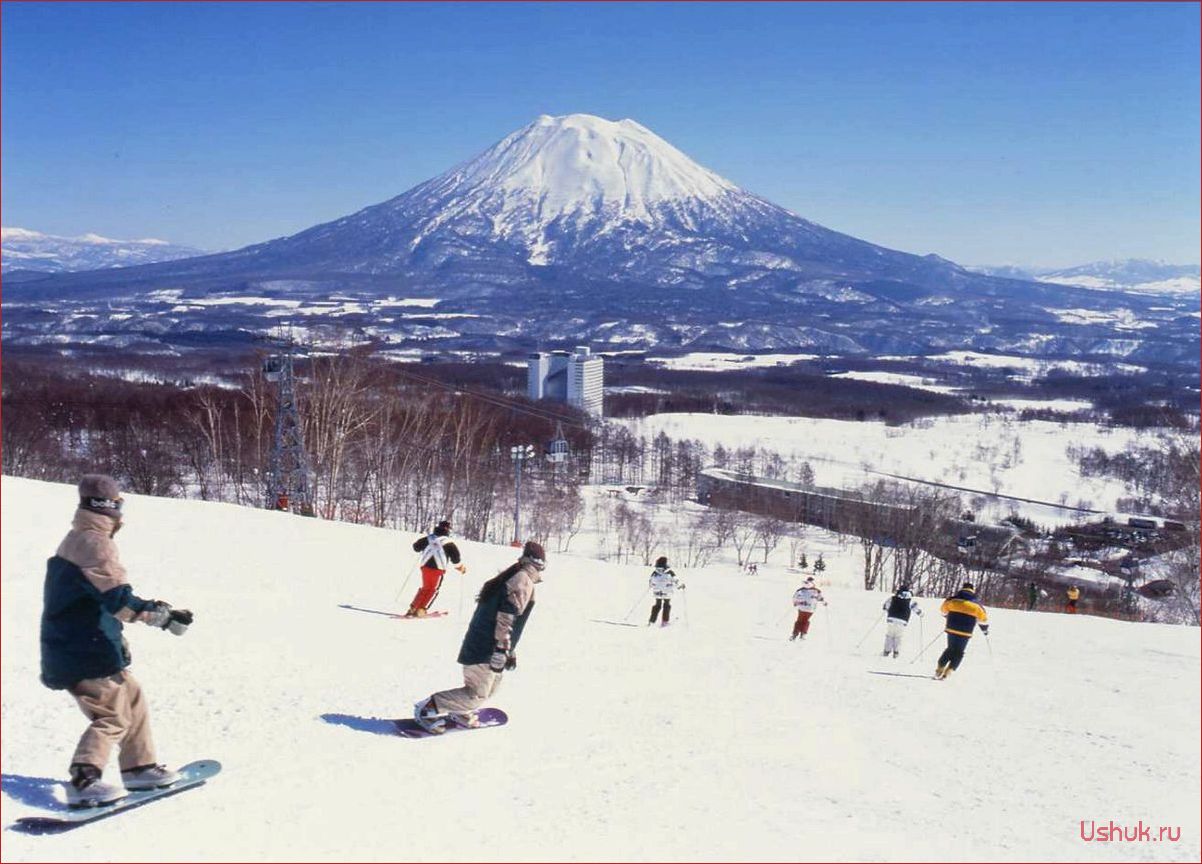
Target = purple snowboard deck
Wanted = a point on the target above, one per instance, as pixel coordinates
(489, 717)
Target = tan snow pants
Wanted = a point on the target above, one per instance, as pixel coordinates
(479, 683)
(119, 716)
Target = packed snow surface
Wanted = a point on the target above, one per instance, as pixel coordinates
(713, 739)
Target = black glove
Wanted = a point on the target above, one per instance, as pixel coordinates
(178, 621)
(512, 662)
(499, 660)
(985, 629)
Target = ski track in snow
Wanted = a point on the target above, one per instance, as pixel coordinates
(692, 742)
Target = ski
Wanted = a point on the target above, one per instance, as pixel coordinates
(192, 775)
(400, 615)
(615, 623)
(902, 675)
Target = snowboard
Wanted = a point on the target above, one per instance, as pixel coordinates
(489, 717)
(192, 775)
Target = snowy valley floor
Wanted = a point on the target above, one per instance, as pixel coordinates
(715, 739)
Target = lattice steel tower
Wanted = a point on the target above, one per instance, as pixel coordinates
(288, 464)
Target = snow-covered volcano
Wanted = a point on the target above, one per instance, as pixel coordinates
(582, 168)
(617, 237)
(610, 200)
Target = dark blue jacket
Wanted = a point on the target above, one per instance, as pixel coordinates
(81, 638)
(480, 641)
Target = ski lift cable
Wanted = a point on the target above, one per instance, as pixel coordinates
(498, 401)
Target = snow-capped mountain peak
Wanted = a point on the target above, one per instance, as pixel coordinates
(32, 250)
(1140, 275)
(579, 161)
(577, 172)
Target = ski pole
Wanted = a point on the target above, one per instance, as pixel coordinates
(929, 644)
(686, 609)
(829, 626)
(408, 576)
(990, 644)
(870, 629)
(462, 576)
(636, 603)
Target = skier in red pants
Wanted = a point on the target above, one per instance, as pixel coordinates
(437, 553)
(805, 600)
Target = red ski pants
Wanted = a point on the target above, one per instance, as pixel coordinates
(431, 582)
(802, 626)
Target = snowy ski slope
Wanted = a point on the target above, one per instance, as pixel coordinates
(715, 739)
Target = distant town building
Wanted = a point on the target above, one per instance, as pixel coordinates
(576, 378)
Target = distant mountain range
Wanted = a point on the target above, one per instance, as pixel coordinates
(22, 249)
(1139, 275)
(577, 229)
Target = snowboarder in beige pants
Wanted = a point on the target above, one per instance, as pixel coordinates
(86, 601)
(119, 716)
(502, 609)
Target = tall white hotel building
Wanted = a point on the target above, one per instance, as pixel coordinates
(577, 378)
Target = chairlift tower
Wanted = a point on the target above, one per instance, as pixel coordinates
(287, 465)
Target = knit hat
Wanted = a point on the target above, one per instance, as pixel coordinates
(967, 586)
(533, 553)
(443, 528)
(661, 561)
(101, 494)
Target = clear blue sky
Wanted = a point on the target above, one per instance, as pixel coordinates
(997, 133)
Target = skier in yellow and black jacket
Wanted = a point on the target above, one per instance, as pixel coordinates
(964, 612)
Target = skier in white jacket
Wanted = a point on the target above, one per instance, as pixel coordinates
(663, 584)
(805, 600)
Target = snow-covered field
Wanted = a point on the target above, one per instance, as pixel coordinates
(1029, 367)
(990, 452)
(918, 382)
(717, 361)
(714, 739)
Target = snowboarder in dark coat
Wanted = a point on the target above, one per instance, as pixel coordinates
(86, 600)
(503, 608)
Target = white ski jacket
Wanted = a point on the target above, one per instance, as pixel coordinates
(663, 583)
(806, 599)
(433, 553)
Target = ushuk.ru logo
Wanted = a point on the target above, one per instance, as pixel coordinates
(1112, 832)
